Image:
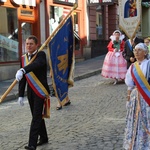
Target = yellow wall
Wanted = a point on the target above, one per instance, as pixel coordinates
(4, 23)
(145, 22)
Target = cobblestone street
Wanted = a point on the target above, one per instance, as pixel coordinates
(95, 120)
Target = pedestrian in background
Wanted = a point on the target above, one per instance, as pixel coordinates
(35, 74)
(114, 65)
(137, 131)
(147, 42)
(59, 105)
(128, 50)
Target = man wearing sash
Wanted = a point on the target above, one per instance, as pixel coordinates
(35, 74)
(137, 131)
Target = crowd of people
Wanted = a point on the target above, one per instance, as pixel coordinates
(129, 61)
(120, 55)
(126, 60)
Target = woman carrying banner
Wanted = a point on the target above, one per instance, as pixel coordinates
(114, 65)
(137, 131)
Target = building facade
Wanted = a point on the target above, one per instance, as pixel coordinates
(93, 25)
(145, 21)
(19, 19)
(103, 20)
(94, 21)
(56, 10)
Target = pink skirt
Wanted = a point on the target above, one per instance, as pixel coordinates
(114, 66)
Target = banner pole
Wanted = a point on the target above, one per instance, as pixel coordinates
(41, 48)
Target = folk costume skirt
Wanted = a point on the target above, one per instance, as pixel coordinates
(114, 66)
(137, 130)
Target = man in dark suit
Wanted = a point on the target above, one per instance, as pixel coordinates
(128, 50)
(36, 101)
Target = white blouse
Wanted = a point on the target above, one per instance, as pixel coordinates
(128, 79)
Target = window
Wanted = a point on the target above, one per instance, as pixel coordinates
(57, 14)
(8, 34)
(99, 27)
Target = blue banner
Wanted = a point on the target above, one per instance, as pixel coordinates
(61, 59)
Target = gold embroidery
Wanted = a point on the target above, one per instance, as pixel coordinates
(63, 65)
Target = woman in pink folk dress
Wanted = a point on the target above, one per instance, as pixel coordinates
(115, 66)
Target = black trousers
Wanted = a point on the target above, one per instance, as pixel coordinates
(37, 128)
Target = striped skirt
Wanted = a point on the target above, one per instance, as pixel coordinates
(114, 66)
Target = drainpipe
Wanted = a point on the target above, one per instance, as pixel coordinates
(87, 21)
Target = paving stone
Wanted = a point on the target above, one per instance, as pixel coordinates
(95, 120)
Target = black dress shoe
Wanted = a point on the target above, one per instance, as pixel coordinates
(58, 107)
(41, 142)
(30, 147)
(68, 103)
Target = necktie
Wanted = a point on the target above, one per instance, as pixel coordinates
(29, 57)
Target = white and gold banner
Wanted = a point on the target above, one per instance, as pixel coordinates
(129, 16)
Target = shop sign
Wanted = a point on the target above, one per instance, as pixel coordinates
(102, 2)
(67, 2)
(8, 44)
(25, 2)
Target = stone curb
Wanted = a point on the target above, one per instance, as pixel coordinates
(87, 75)
(13, 96)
